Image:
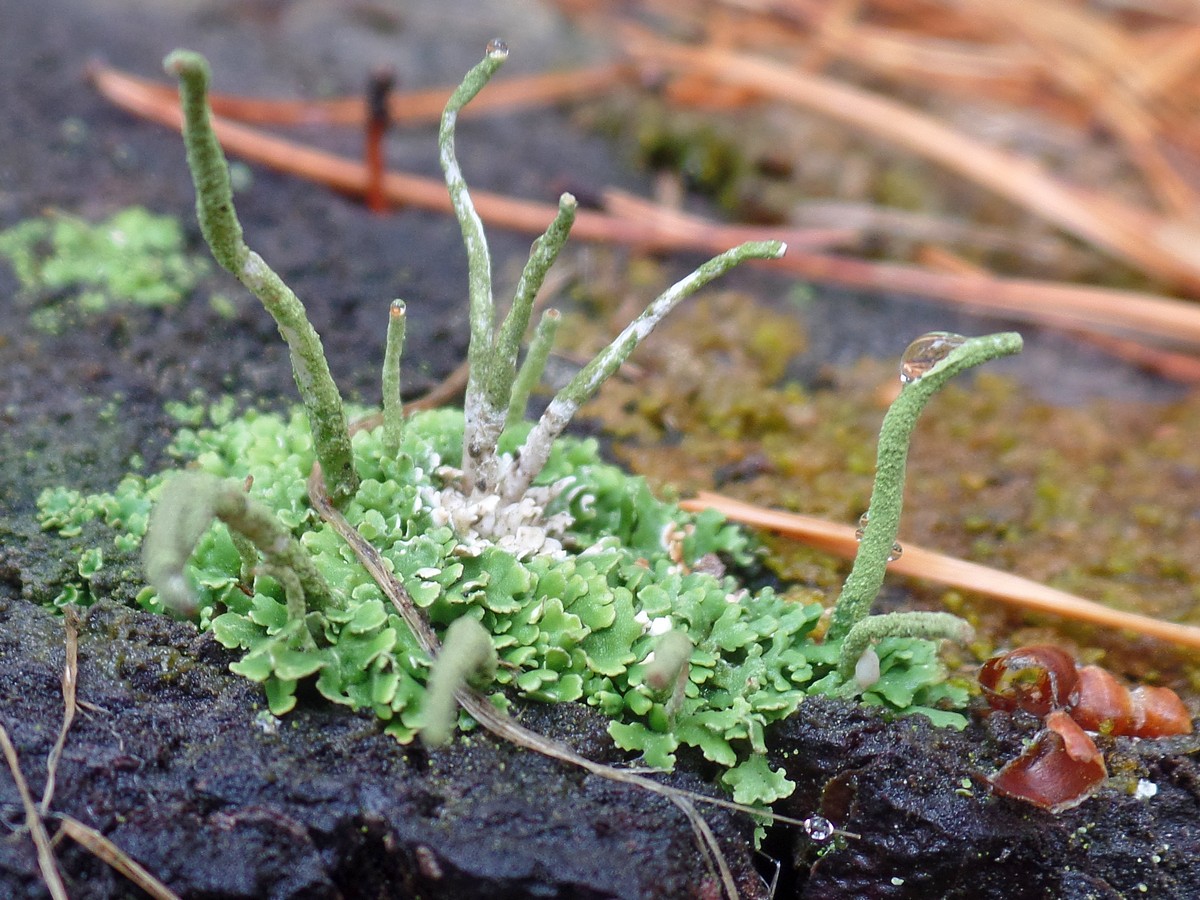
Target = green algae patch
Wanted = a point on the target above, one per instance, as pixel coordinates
(69, 268)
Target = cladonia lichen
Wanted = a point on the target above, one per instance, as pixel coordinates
(587, 587)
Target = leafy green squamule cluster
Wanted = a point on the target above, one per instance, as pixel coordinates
(578, 627)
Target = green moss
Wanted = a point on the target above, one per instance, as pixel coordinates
(69, 267)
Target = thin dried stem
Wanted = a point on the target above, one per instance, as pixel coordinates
(104, 849)
(47, 864)
(70, 680)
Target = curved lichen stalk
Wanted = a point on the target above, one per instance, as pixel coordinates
(223, 232)
(536, 449)
(853, 605)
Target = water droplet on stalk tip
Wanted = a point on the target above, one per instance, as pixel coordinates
(926, 352)
(497, 47)
(896, 553)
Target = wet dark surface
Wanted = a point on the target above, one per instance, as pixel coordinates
(179, 764)
(174, 763)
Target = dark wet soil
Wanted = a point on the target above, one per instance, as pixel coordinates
(174, 759)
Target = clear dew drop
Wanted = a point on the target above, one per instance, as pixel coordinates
(497, 47)
(818, 828)
(926, 352)
(896, 552)
(862, 526)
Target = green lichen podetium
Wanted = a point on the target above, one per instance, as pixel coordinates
(68, 266)
(574, 581)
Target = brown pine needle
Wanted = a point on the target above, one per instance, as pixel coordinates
(104, 849)
(406, 107)
(918, 562)
(1029, 300)
(351, 177)
(1163, 363)
(1140, 314)
(1111, 225)
(37, 830)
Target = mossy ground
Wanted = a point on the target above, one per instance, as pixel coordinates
(1097, 499)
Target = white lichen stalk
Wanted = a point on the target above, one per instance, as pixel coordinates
(493, 498)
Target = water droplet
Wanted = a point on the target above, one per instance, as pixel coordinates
(819, 828)
(497, 48)
(926, 352)
(862, 526)
(897, 552)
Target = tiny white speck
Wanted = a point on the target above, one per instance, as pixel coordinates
(1145, 789)
(661, 625)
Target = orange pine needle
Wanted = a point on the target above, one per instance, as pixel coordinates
(921, 563)
(351, 177)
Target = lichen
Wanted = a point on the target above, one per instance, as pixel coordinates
(1058, 494)
(574, 569)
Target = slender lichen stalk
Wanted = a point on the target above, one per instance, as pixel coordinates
(929, 625)
(223, 232)
(467, 653)
(887, 496)
(476, 456)
(503, 370)
(566, 403)
(187, 506)
(534, 365)
(393, 403)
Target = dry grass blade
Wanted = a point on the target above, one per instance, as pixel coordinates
(920, 563)
(70, 678)
(351, 177)
(1119, 229)
(102, 848)
(45, 856)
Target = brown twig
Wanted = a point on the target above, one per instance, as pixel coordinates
(379, 87)
(407, 107)
(1083, 307)
(918, 562)
(350, 176)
